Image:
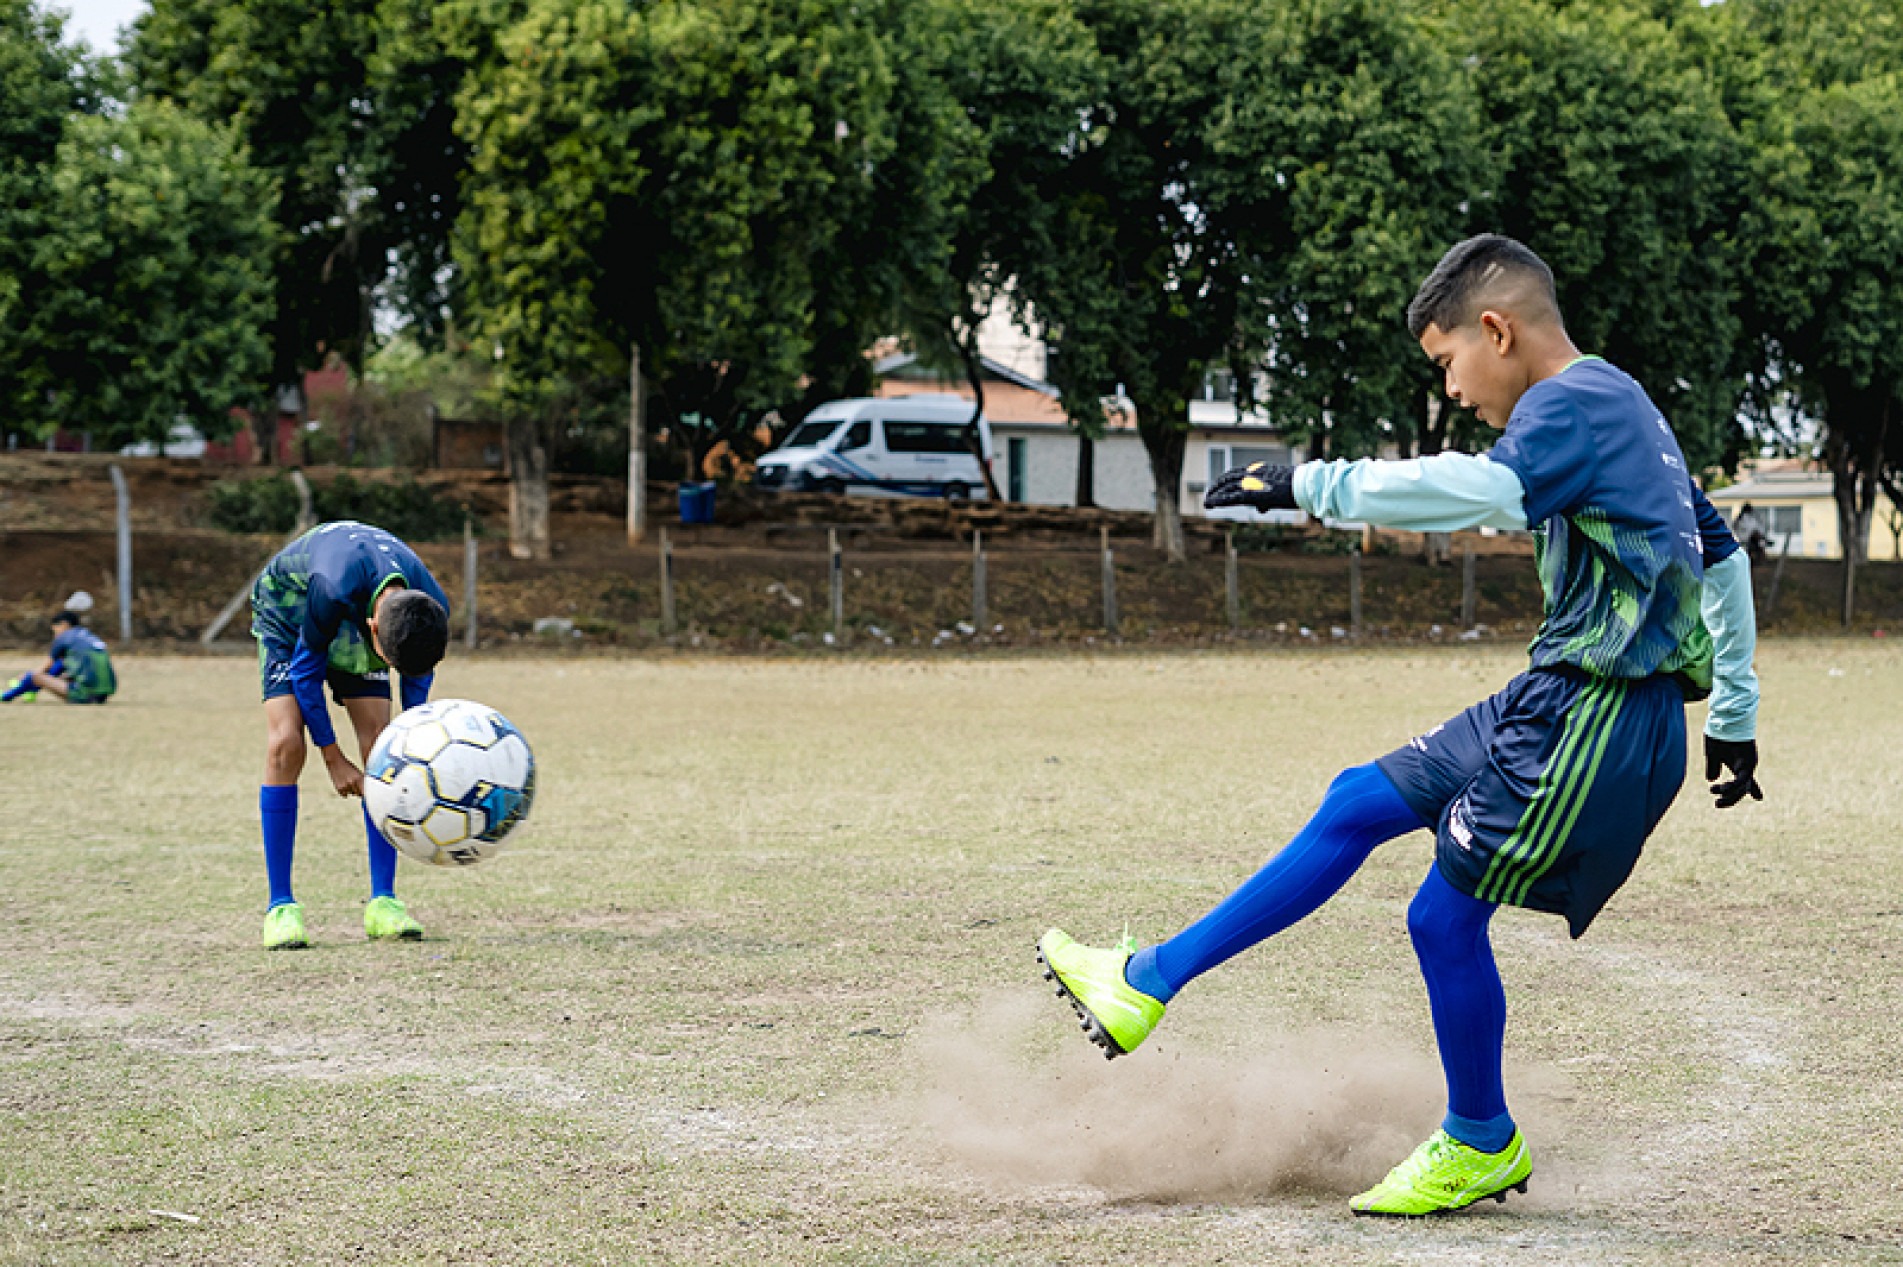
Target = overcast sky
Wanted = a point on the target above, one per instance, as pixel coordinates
(97, 22)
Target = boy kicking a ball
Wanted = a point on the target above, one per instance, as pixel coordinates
(1543, 795)
(343, 604)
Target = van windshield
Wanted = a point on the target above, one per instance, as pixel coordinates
(810, 433)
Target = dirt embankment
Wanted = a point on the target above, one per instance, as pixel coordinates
(758, 578)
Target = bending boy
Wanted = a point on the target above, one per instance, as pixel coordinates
(342, 604)
(1543, 795)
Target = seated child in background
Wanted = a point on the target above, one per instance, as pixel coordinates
(78, 668)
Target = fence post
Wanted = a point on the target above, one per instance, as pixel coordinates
(124, 520)
(469, 582)
(1354, 592)
(667, 584)
(1467, 596)
(1850, 585)
(838, 584)
(306, 513)
(1232, 591)
(979, 615)
(1109, 584)
(1777, 579)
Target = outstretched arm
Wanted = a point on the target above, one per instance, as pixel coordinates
(1446, 492)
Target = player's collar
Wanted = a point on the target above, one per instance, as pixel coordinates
(377, 594)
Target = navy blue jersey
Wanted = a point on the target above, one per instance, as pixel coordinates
(1615, 526)
(311, 607)
(1715, 538)
(84, 662)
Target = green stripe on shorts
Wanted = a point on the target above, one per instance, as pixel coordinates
(1549, 815)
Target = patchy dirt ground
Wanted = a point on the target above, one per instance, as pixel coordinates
(756, 986)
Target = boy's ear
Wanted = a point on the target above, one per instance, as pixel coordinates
(1497, 329)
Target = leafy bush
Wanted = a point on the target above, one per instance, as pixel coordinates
(412, 511)
(266, 505)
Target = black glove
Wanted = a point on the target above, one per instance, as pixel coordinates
(1257, 485)
(1740, 758)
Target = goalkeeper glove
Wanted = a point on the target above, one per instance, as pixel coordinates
(1739, 757)
(1257, 485)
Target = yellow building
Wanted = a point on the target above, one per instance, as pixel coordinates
(1795, 505)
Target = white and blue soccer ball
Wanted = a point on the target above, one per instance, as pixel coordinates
(448, 781)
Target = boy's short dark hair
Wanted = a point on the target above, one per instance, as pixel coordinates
(1446, 298)
(68, 618)
(414, 630)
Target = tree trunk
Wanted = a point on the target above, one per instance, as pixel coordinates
(1855, 469)
(1435, 415)
(974, 438)
(528, 490)
(1165, 444)
(1086, 470)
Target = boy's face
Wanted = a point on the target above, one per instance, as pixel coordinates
(60, 627)
(1478, 365)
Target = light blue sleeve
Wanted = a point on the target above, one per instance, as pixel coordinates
(1442, 493)
(1726, 604)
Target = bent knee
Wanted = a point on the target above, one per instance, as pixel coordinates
(1440, 913)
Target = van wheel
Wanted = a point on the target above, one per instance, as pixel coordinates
(957, 493)
(833, 487)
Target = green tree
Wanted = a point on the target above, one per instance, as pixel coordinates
(1347, 165)
(1814, 88)
(1828, 228)
(43, 82)
(347, 104)
(1140, 286)
(1004, 82)
(150, 278)
(1617, 163)
(670, 180)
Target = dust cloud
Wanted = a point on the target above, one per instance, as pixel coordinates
(1320, 1112)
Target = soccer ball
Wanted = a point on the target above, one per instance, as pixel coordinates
(448, 781)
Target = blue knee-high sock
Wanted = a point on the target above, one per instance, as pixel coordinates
(1449, 930)
(19, 688)
(1362, 809)
(382, 860)
(277, 807)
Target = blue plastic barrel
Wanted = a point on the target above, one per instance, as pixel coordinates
(697, 503)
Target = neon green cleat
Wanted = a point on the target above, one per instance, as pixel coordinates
(284, 927)
(1114, 1014)
(1445, 1175)
(385, 917)
(24, 697)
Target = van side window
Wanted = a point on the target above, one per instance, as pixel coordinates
(925, 437)
(858, 436)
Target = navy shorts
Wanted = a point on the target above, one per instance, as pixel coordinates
(1543, 795)
(274, 676)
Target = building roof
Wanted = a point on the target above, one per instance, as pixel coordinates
(1781, 481)
(898, 362)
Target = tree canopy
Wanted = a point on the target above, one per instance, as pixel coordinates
(752, 195)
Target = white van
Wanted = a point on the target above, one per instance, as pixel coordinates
(906, 446)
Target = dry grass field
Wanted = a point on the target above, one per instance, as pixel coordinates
(756, 985)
